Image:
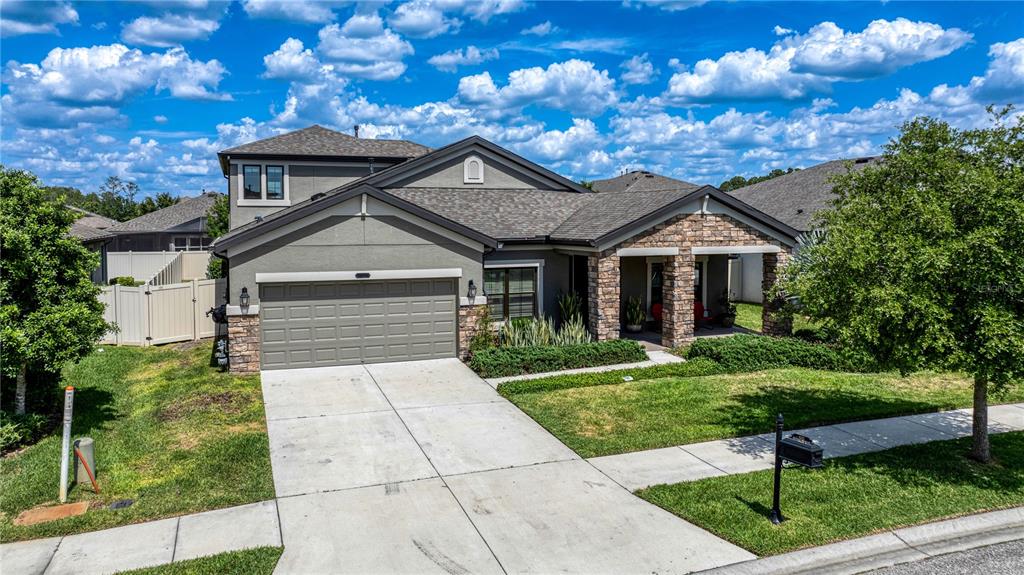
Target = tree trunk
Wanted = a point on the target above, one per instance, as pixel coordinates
(19, 393)
(980, 448)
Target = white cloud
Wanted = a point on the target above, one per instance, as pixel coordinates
(574, 85)
(305, 11)
(168, 30)
(292, 62)
(422, 19)
(85, 85)
(24, 17)
(542, 29)
(1003, 81)
(160, 119)
(363, 48)
(607, 45)
(882, 48)
(484, 10)
(559, 145)
(451, 60)
(667, 5)
(638, 70)
(800, 65)
(780, 31)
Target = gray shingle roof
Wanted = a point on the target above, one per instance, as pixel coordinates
(796, 197)
(187, 210)
(90, 226)
(607, 212)
(319, 141)
(642, 181)
(499, 213)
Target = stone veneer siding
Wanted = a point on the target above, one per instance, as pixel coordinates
(470, 317)
(685, 232)
(244, 343)
(771, 322)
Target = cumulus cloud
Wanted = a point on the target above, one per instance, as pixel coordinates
(1003, 81)
(24, 17)
(292, 62)
(800, 65)
(471, 56)
(363, 48)
(667, 5)
(638, 70)
(83, 85)
(168, 30)
(542, 29)
(574, 85)
(305, 11)
(422, 19)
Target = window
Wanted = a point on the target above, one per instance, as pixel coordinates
(511, 292)
(251, 188)
(473, 170)
(191, 244)
(275, 182)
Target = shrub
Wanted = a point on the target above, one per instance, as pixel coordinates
(127, 281)
(698, 367)
(527, 332)
(753, 353)
(484, 337)
(18, 430)
(506, 361)
(572, 333)
(571, 307)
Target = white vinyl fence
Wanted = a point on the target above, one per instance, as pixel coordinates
(155, 314)
(158, 267)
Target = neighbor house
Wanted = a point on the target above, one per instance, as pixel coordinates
(92, 230)
(345, 250)
(176, 228)
(794, 199)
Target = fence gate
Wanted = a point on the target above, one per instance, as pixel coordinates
(155, 314)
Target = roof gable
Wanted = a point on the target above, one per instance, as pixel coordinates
(642, 181)
(186, 210)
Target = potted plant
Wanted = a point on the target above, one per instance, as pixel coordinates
(635, 315)
(727, 317)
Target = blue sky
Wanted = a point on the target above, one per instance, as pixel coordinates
(701, 91)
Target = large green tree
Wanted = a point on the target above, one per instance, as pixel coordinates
(923, 260)
(49, 312)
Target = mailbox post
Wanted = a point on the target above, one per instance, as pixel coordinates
(797, 449)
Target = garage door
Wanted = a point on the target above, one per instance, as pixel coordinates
(343, 323)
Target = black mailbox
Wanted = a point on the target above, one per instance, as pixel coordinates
(801, 450)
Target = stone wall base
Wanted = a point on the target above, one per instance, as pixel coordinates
(470, 318)
(244, 344)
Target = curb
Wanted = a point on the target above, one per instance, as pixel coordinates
(889, 548)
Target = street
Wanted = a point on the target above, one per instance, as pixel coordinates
(1002, 559)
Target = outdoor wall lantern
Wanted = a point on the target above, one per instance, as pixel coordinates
(472, 290)
(243, 298)
(797, 449)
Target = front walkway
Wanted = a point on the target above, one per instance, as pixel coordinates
(744, 454)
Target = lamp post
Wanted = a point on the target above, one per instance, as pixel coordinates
(243, 299)
(471, 293)
(776, 516)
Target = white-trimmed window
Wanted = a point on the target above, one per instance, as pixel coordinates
(473, 170)
(190, 244)
(262, 184)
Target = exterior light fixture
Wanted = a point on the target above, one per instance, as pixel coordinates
(472, 290)
(243, 298)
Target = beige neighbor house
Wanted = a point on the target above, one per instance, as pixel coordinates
(346, 250)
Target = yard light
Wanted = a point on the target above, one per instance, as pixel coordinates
(243, 298)
(472, 290)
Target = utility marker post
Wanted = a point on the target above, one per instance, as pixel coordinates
(776, 515)
(65, 445)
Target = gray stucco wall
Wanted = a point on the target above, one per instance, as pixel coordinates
(341, 241)
(557, 269)
(450, 175)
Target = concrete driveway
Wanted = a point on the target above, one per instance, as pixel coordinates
(422, 467)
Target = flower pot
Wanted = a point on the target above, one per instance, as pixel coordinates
(634, 328)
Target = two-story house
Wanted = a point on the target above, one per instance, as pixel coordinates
(347, 250)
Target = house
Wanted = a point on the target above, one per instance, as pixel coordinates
(92, 230)
(642, 181)
(794, 199)
(345, 250)
(179, 227)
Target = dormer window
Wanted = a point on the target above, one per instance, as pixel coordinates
(473, 170)
(263, 185)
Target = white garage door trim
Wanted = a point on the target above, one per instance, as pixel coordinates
(368, 275)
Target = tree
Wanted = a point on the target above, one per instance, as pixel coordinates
(923, 260)
(153, 203)
(737, 182)
(218, 220)
(116, 199)
(49, 312)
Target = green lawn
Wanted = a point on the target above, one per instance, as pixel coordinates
(255, 561)
(851, 496)
(170, 432)
(748, 315)
(660, 412)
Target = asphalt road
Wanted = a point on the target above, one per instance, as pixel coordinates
(1002, 559)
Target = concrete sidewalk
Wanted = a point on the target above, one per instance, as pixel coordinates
(654, 357)
(744, 454)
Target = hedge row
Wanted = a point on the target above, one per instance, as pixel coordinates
(506, 361)
(754, 353)
(693, 368)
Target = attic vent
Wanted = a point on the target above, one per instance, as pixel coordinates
(473, 170)
(317, 196)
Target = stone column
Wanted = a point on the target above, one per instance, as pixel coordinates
(603, 288)
(244, 342)
(773, 323)
(677, 323)
(470, 317)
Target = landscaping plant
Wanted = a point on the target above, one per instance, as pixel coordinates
(923, 260)
(635, 314)
(572, 333)
(505, 361)
(49, 313)
(571, 307)
(527, 332)
(743, 352)
(218, 221)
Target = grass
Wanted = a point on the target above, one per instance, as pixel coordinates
(660, 412)
(170, 432)
(748, 315)
(851, 496)
(255, 561)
